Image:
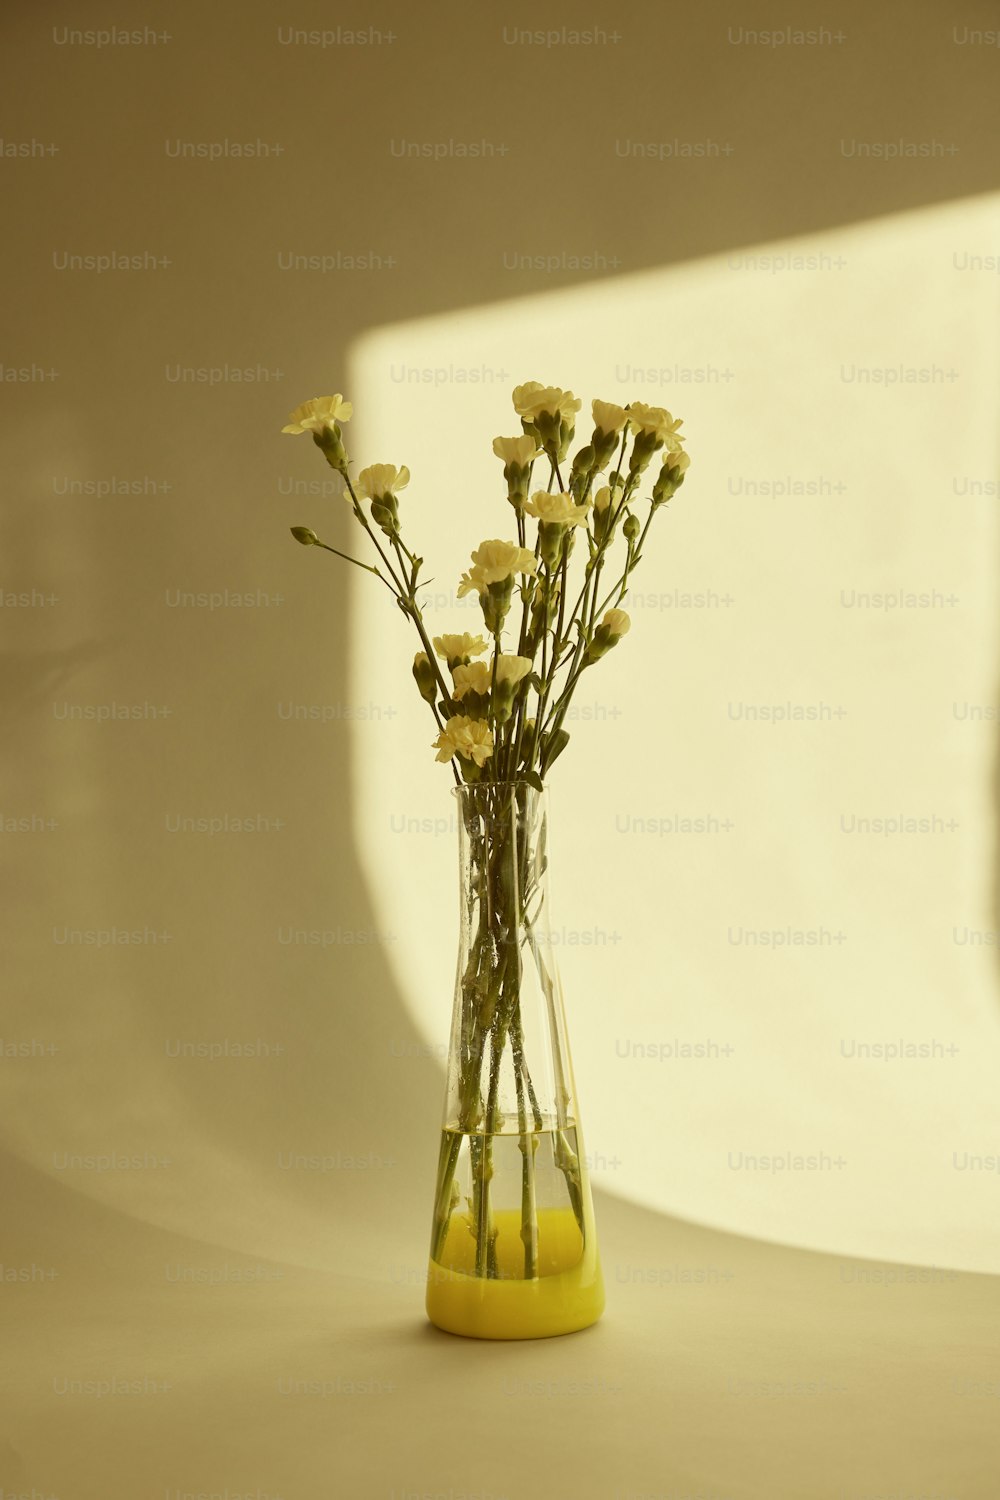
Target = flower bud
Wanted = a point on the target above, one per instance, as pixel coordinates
(495, 603)
(671, 476)
(631, 528)
(305, 535)
(615, 624)
(567, 427)
(508, 673)
(385, 514)
(643, 448)
(608, 507)
(518, 455)
(425, 676)
(583, 462)
(550, 538)
(609, 419)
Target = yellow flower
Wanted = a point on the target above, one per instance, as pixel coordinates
(511, 669)
(617, 623)
(492, 578)
(602, 500)
(379, 480)
(558, 509)
(533, 400)
(656, 423)
(319, 415)
(609, 417)
(471, 677)
(467, 737)
(471, 583)
(510, 673)
(495, 560)
(456, 648)
(517, 450)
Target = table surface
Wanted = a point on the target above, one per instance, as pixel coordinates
(724, 1369)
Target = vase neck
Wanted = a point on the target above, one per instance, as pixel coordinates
(503, 859)
(508, 1061)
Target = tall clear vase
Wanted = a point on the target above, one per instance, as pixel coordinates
(513, 1245)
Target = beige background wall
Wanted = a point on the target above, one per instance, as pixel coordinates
(132, 489)
(853, 828)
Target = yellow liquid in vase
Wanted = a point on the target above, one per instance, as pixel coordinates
(567, 1291)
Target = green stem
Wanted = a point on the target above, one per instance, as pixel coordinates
(528, 1146)
(367, 526)
(504, 881)
(451, 1145)
(368, 567)
(517, 1047)
(406, 599)
(619, 587)
(529, 1204)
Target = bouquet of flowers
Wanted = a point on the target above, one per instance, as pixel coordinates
(502, 719)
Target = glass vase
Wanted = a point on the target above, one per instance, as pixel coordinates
(513, 1246)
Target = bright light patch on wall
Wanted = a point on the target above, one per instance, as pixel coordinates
(774, 825)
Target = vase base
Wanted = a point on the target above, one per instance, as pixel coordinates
(564, 1299)
(541, 1309)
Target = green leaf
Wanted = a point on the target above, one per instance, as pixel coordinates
(553, 747)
